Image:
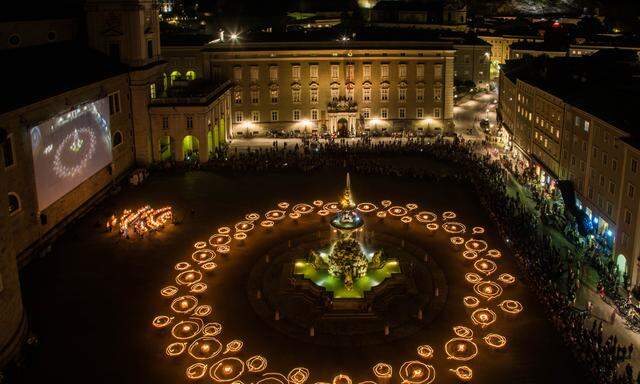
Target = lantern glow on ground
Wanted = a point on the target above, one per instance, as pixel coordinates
(462, 345)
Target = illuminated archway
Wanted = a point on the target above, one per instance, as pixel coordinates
(165, 148)
(621, 263)
(190, 75)
(210, 144)
(175, 75)
(190, 147)
(221, 133)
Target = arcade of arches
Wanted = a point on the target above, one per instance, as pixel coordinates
(189, 147)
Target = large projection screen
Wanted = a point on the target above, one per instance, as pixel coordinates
(69, 148)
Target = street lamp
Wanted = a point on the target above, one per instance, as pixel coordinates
(246, 125)
(428, 120)
(305, 124)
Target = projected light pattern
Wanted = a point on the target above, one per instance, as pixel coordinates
(69, 148)
(198, 340)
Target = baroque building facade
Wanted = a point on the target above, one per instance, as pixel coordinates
(566, 135)
(329, 89)
(336, 87)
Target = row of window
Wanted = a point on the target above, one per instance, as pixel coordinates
(296, 95)
(315, 114)
(296, 71)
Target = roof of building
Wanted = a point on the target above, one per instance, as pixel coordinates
(192, 93)
(606, 84)
(331, 38)
(39, 72)
(543, 46)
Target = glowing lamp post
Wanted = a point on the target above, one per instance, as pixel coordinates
(305, 124)
(428, 121)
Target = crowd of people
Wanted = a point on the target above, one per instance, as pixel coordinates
(551, 276)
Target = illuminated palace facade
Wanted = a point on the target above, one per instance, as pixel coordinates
(336, 87)
(330, 89)
(560, 124)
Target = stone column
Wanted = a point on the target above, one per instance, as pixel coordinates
(12, 317)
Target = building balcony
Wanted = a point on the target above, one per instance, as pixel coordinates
(342, 104)
(196, 92)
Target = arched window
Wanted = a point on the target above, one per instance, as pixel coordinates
(190, 75)
(117, 138)
(14, 203)
(175, 75)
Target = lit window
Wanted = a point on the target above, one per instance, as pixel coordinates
(437, 72)
(419, 113)
(295, 72)
(295, 95)
(366, 113)
(255, 96)
(274, 96)
(436, 112)
(255, 116)
(274, 115)
(335, 93)
(114, 103)
(384, 70)
(384, 94)
(384, 113)
(402, 71)
(237, 96)
(366, 94)
(366, 71)
(152, 91)
(313, 71)
(350, 72)
(315, 114)
(437, 94)
(335, 71)
(273, 73)
(296, 114)
(238, 116)
(402, 94)
(313, 95)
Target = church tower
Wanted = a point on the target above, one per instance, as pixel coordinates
(129, 31)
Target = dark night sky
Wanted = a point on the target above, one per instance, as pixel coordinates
(12, 9)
